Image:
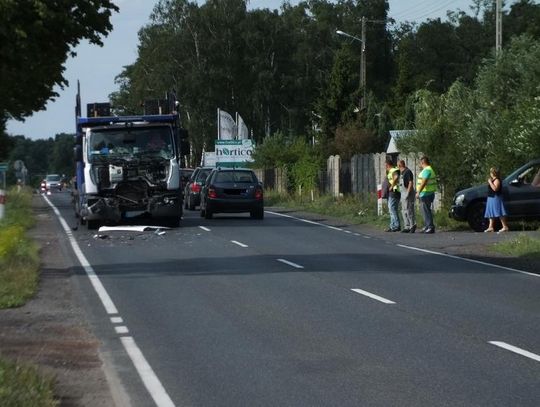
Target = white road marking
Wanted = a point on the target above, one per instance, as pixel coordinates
(305, 220)
(469, 260)
(107, 302)
(517, 350)
(151, 382)
(371, 295)
(290, 263)
(348, 231)
(117, 320)
(204, 228)
(148, 377)
(239, 244)
(121, 329)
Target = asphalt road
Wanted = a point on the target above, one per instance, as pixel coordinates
(284, 312)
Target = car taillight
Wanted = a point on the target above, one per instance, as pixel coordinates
(195, 187)
(212, 193)
(258, 194)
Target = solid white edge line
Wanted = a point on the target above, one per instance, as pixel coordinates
(239, 243)
(204, 228)
(469, 260)
(290, 263)
(150, 380)
(373, 296)
(517, 350)
(106, 300)
(148, 377)
(305, 220)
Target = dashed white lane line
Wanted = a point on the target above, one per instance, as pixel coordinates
(239, 243)
(290, 263)
(121, 329)
(204, 228)
(469, 260)
(517, 350)
(148, 377)
(117, 320)
(373, 296)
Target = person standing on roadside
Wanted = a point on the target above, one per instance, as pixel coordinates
(392, 174)
(495, 206)
(426, 186)
(406, 187)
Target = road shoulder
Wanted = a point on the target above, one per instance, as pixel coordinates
(51, 330)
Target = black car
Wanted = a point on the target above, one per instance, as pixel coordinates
(192, 189)
(232, 190)
(185, 176)
(520, 192)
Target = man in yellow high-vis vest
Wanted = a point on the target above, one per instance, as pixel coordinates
(426, 186)
(394, 196)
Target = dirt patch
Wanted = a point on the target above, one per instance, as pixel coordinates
(51, 330)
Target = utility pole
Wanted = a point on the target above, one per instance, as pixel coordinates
(363, 67)
(498, 24)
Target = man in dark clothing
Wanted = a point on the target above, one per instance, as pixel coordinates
(407, 197)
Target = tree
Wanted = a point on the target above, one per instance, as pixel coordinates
(36, 37)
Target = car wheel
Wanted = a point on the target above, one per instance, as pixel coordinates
(475, 217)
(208, 214)
(191, 205)
(257, 214)
(173, 221)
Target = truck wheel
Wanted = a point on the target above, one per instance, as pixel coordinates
(92, 224)
(475, 217)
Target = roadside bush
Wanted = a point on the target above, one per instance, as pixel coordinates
(19, 259)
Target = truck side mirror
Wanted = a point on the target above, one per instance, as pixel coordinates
(183, 136)
(77, 153)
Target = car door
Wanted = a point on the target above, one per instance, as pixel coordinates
(522, 194)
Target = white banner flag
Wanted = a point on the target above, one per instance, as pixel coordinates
(226, 126)
(243, 131)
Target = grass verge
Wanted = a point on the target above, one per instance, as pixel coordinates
(356, 210)
(19, 258)
(522, 246)
(22, 385)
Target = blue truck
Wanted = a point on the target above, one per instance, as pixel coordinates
(128, 166)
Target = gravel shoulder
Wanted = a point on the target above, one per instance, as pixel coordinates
(51, 330)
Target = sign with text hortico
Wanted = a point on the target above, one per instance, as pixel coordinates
(234, 153)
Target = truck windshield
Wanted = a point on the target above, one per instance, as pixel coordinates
(132, 142)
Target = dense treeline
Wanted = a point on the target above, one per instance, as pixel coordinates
(288, 72)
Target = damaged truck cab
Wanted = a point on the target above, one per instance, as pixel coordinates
(128, 166)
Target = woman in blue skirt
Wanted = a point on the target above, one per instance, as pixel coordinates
(495, 205)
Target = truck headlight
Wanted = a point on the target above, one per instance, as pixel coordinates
(459, 199)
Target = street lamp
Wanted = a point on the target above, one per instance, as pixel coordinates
(362, 58)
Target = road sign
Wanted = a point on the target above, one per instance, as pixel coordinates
(3, 167)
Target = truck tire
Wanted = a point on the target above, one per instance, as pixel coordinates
(475, 217)
(92, 224)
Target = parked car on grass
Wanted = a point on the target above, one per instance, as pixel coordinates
(521, 196)
(192, 189)
(232, 190)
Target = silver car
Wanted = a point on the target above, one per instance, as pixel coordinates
(53, 182)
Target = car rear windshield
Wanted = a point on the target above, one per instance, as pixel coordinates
(236, 176)
(203, 174)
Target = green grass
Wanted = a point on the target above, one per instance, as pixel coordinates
(19, 257)
(21, 386)
(521, 246)
(356, 210)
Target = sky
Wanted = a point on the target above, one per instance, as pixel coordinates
(96, 67)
